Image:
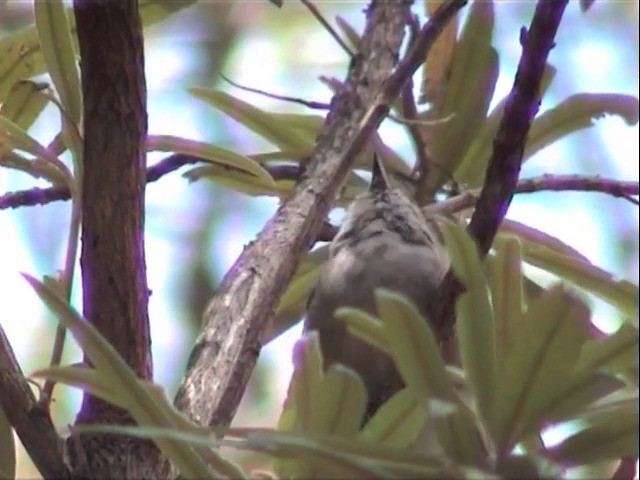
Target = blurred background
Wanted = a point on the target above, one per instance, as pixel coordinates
(196, 231)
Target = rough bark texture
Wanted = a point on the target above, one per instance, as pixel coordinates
(115, 294)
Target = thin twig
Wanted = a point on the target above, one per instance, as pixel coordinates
(301, 101)
(316, 13)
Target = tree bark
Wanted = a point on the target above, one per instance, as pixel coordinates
(115, 293)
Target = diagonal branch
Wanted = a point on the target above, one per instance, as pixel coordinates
(508, 146)
(30, 419)
(227, 348)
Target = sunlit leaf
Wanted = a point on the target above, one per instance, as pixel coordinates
(398, 421)
(364, 326)
(475, 59)
(614, 436)
(208, 152)
(543, 353)
(24, 103)
(576, 113)
(551, 254)
(265, 124)
(614, 354)
(57, 48)
(21, 56)
(507, 296)
(438, 62)
(413, 346)
(475, 322)
(145, 408)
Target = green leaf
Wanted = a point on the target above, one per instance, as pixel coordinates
(240, 180)
(12, 136)
(350, 33)
(413, 346)
(306, 381)
(475, 322)
(614, 436)
(543, 353)
(276, 130)
(86, 379)
(8, 450)
(549, 253)
(21, 56)
(474, 58)
(615, 354)
(340, 403)
(507, 296)
(37, 168)
(576, 113)
(57, 49)
(145, 408)
(24, 103)
(473, 165)
(398, 421)
(364, 326)
(216, 155)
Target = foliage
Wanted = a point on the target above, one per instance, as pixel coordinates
(529, 360)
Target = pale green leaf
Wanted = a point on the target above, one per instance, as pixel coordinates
(216, 155)
(614, 436)
(144, 407)
(549, 253)
(21, 56)
(24, 103)
(364, 326)
(265, 124)
(576, 113)
(57, 49)
(614, 354)
(507, 296)
(349, 32)
(398, 421)
(474, 58)
(413, 346)
(544, 351)
(475, 322)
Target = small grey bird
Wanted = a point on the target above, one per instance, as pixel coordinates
(384, 241)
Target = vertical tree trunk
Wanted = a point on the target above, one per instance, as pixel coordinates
(115, 294)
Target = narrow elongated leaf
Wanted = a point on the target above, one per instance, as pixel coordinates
(144, 407)
(413, 347)
(398, 422)
(21, 56)
(576, 113)
(364, 326)
(341, 402)
(24, 103)
(37, 168)
(217, 155)
(277, 131)
(349, 32)
(475, 323)
(615, 436)
(476, 59)
(240, 180)
(15, 137)
(551, 254)
(544, 351)
(614, 355)
(57, 49)
(507, 296)
(438, 62)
